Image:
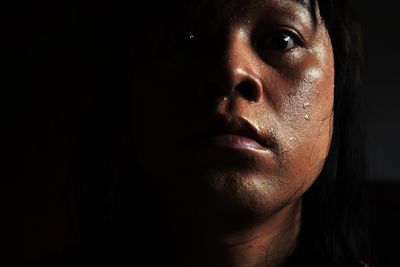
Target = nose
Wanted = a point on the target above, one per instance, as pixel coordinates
(235, 71)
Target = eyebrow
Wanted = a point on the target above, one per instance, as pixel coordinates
(310, 6)
(303, 2)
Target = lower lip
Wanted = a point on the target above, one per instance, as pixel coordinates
(236, 141)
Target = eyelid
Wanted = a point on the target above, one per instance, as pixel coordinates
(297, 37)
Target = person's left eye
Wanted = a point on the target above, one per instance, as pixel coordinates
(280, 41)
(183, 39)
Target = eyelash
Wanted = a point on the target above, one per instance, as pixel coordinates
(185, 39)
(295, 38)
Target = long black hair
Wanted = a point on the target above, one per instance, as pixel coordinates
(334, 220)
(109, 216)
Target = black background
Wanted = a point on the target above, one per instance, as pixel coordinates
(51, 61)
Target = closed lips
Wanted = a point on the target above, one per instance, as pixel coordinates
(236, 141)
(234, 132)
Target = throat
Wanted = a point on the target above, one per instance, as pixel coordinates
(269, 243)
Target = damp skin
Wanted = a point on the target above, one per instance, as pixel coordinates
(230, 67)
(180, 91)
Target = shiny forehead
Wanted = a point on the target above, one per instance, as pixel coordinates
(309, 5)
(304, 3)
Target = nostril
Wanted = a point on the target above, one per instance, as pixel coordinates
(248, 90)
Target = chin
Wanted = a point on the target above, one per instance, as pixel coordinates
(233, 195)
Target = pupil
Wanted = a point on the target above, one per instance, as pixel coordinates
(280, 41)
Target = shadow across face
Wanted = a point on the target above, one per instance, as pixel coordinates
(233, 107)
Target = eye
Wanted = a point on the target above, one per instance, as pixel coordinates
(280, 41)
(184, 39)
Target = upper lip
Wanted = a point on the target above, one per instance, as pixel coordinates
(235, 125)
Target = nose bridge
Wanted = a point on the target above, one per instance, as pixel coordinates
(238, 58)
(239, 68)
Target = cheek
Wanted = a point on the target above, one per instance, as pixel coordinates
(310, 107)
(307, 117)
(161, 113)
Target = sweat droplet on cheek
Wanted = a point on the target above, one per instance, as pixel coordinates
(307, 105)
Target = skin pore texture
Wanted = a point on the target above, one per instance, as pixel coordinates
(260, 69)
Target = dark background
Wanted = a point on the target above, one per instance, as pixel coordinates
(51, 60)
(381, 84)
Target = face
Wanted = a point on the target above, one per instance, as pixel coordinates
(233, 109)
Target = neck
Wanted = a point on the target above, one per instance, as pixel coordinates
(267, 243)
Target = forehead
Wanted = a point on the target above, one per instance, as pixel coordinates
(217, 10)
(304, 3)
(212, 15)
(268, 4)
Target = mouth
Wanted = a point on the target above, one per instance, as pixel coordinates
(236, 141)
(233, 133)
